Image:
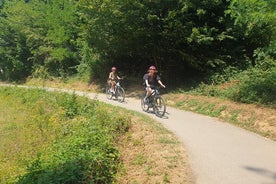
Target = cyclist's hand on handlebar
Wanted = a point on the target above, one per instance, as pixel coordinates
(122, 78)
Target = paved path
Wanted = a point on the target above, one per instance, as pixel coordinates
(219, 153)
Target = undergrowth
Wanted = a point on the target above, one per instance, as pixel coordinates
(256, 85)
(57, 138)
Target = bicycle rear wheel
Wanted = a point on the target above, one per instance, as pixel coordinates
(120, 94)
(145, 106)
(159, 106)
(108, 92)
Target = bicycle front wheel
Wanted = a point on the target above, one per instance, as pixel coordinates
(120, 94)
(108, 92)
(144, 105)
(159, 106)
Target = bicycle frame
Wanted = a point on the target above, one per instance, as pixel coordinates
(156, 102)
(119, 92)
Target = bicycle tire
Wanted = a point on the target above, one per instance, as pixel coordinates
(159, 106)
(144, 106)
(120, 94)
(108, 92)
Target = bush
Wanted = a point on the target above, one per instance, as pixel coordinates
(82, 147)
(87, 156)
(258, 86)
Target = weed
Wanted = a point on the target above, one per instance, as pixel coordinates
(234, 115)
(57, 138)
(180, 104)
(140, 159)
(136, 142)
(192, 103)
(218, 111)
(166, 178)
(167, 140)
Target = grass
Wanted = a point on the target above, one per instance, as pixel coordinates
(261, 122)
(201, 100)
(17, 134)
(154, 153)
(234, 115)
(43, 132)
(255, 118)
(170, 159)
(32, 120)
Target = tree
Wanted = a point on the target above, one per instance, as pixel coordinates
(256, 22)
(177, 36)
(14, 53)
(39, 35)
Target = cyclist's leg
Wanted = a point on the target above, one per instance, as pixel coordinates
(113, 83)
(148, 93)
(108, 85)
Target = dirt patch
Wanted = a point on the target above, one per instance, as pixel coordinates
(152, 154)
(72, 84)
(256, 118)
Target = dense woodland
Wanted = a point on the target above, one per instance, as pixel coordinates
(207, 40)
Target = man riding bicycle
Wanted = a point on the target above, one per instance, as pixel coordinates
(112, 79)
(151, 79)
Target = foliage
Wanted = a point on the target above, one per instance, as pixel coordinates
(254, 85)
(258, 84)
(68, 139)
(255, 18)
(164, 33)
(212, 40)
(37, 35)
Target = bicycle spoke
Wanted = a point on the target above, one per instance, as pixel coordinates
(108, 92)
(145, 106)
(120, 94)
(160, 106)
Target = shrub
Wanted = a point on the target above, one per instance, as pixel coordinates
(258, 84)
(87, 156)
(78, 141)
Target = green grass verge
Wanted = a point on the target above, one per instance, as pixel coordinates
(57, 138)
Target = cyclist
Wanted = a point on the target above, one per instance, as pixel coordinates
(112, 79)
(151, 79)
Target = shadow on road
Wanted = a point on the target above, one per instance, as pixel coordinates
(264, 172)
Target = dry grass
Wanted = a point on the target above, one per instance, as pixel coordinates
(73, 84)
(259, 119)
(152, 154)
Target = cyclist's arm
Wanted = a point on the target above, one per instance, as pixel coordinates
(147, 83)
(160, 82)
(110, 76)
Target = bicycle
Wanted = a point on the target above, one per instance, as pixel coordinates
(119, 92)
(154, 101)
